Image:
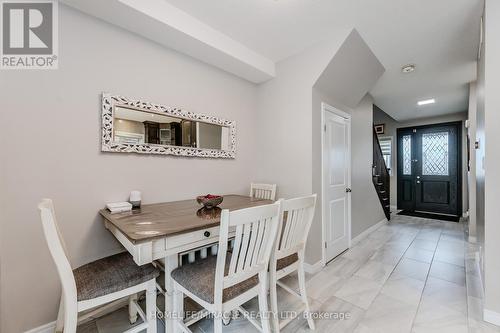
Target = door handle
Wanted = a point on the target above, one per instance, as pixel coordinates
(418, 181)
(348, 190)
(418, 177)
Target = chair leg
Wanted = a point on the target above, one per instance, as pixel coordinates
(178, 308)
(263, 309)
(60, 317)
(303, 294)
(217, 324)
(151, 306)
(132, 310)
(70, 316)
(274, 302)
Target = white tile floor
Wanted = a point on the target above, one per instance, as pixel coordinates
(411, 275)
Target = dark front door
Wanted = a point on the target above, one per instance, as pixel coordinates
(429, 172)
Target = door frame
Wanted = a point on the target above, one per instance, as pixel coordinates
(328, 108)
(459, 126)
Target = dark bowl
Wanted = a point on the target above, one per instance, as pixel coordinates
(209, 213)
(210, 202)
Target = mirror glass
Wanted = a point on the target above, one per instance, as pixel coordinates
(131, 126)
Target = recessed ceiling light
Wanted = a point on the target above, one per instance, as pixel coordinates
(427, 101)
(408, 68)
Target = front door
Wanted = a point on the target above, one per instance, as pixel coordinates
(429, 169)
(336, 182)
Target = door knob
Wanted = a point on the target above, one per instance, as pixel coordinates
(418, 181)
(418, 177)
(348, 190)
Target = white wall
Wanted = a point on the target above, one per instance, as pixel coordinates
(51, 133)
(492, 157)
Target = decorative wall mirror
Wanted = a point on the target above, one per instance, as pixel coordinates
(132, 126)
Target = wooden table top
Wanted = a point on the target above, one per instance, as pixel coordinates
(163, 219)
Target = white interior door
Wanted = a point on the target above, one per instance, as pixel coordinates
(336, 182)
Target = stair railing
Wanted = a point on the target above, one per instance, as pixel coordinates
(381, 177)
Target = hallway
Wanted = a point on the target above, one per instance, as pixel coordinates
(411, 275)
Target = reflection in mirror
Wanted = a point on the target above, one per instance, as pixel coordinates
(132, 126)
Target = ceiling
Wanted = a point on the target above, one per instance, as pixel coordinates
(440, 37)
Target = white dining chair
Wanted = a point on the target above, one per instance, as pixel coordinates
(99, 282)
(288, 254)
(263, 191)
(224, 282)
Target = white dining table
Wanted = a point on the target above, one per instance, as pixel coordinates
(161, 233)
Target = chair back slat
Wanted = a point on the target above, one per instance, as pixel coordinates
(236, 249)
(263, 191)
(294, 225)
(252, 245)
(57, 250)
(259, 238)
(256, 229)
(242, 253)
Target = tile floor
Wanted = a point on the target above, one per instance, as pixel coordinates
(411, 275)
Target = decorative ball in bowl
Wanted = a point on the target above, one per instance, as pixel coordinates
(210, 201)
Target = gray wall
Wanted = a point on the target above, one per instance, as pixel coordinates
(471, 176)
(380, 117)
(51, 120)
(209, 136)
(480, 152)
(492, 157)
(367, 209)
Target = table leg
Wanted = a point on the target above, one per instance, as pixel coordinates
(171, 263)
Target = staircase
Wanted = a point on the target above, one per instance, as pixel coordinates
(381, 177)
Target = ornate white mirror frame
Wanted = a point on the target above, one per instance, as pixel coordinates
(109, 102)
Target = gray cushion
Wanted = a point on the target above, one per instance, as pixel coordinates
(111, 274)
(199, 278)
(286, 261)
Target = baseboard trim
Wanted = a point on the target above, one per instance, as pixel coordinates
(491, 317)
(313, 268)
(47, 328)
(368, 231)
